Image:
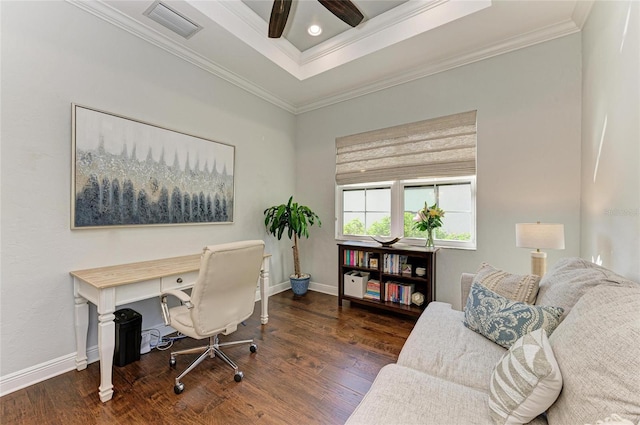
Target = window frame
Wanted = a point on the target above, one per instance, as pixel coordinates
(397, 209)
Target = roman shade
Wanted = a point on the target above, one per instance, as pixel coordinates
(437, 147)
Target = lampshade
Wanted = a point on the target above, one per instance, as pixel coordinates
(540, 235)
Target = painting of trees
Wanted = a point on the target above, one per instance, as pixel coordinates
(115, 186)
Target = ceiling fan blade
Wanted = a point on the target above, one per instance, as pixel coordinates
(279, 15)
(345, 10)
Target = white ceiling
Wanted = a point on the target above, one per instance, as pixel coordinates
(397, 42)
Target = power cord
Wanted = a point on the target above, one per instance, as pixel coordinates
(162, 342)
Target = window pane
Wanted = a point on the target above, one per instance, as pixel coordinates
(455, 226)
(353, 200)
(414, 199)
(379, 200)
(367, 211)
(416, 196)
(455, 197)
(353, 224)
(379, 224)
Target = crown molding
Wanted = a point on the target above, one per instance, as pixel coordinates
(562, 29)
(397, 16)
(581, 12)
(120, 20)
(109, 14)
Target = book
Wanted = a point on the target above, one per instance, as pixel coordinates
(373, 290)
(398, 292)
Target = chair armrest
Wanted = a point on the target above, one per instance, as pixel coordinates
(182, 296)
(466, 279)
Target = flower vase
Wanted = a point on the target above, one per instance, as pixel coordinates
(429, 243)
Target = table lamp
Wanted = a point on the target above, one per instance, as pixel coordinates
(539, 235)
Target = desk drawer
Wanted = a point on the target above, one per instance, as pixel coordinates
(179, 281)
(137, 291)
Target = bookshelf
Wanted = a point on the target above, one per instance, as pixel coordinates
(385, 265)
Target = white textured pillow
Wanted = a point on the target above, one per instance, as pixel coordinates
(523, 288)
(526, 380)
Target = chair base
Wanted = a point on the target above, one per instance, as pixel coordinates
(210, 350)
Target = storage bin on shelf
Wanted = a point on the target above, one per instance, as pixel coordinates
(355, 283)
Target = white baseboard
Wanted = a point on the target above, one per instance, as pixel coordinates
(325, 289)
(313, 286)
(43, 371)
(32, 375)
(38, 373)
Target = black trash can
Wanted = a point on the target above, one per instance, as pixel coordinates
(128, 336)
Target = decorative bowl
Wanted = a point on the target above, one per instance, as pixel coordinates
(385, 240)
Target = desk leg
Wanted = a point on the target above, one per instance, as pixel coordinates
(82, 327)
(264, 291)
(106, 346)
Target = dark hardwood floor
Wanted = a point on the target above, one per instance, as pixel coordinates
(315, 362)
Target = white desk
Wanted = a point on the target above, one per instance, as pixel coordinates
(108, 287)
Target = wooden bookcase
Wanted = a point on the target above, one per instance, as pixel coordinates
(357, 256)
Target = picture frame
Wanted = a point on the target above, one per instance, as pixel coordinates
(127, 172)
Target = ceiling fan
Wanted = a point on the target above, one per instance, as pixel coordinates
(343, 9)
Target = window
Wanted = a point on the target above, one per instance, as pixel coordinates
(366, 211)
(385, 176)
(456, 198)
(388, 209)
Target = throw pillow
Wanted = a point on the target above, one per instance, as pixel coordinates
(571, 278)
(504, 321)
(523, 288)
(526, 380)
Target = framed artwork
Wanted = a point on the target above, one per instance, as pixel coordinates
(129, 173)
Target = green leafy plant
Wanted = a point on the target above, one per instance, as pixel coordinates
(293, 218)
(427, 219)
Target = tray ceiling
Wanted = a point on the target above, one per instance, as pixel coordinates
(397, 42)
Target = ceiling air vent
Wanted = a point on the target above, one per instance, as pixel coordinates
(175, 21)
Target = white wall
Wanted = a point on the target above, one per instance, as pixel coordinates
(53, 54)
(611, 155)
(528, 105)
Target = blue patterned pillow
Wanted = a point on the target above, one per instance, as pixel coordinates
(503, 321)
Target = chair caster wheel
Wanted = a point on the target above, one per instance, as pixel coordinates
(178, 388)
(238, 376)
(172, 363)
(253, 348)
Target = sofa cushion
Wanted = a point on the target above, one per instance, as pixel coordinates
(614, 419)
(504, 321)
(597, 349)
(526, 381)
(523, 288)
(441, 346)
(570, 278)
(400, 395)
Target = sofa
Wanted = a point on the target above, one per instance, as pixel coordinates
(447, 373)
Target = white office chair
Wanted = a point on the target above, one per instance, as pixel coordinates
(221, 298)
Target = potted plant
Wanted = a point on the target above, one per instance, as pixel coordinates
(295, 219)
(428, 219)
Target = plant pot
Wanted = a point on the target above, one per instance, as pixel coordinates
(300, 285)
